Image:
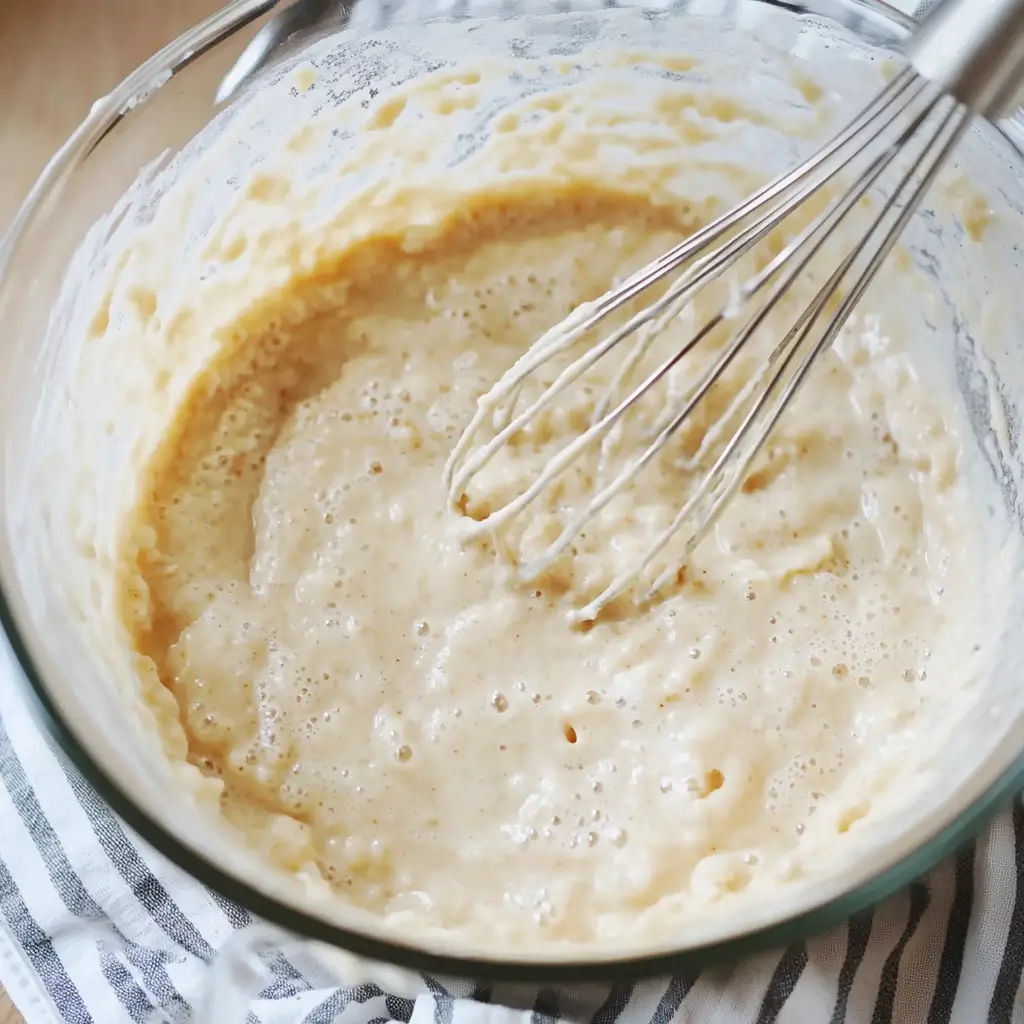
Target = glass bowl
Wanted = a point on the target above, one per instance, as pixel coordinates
(100, 181)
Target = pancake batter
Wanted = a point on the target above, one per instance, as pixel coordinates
(383, 706)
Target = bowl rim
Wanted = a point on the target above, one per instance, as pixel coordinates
(103, 116)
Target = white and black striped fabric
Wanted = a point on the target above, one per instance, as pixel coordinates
(96, 928)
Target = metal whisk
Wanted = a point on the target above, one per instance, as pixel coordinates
(967, 58)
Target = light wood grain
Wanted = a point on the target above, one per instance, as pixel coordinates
(8, 1011)
(56, 57)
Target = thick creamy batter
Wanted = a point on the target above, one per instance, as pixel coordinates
(382, 704)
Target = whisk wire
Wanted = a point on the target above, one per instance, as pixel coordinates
(682, 252)
(834, 213)
(707, 268)
(704, 271)
(697, 276)
(952, 126)
(892, 120)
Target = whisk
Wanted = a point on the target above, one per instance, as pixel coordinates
(966, 58)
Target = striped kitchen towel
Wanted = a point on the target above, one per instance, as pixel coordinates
(96, 928)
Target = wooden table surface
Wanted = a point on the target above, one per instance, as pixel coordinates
(56, 57)
(8, 1012)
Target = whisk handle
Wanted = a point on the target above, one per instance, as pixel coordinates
(974, 50)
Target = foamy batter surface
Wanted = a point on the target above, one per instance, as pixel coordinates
(386, 707)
